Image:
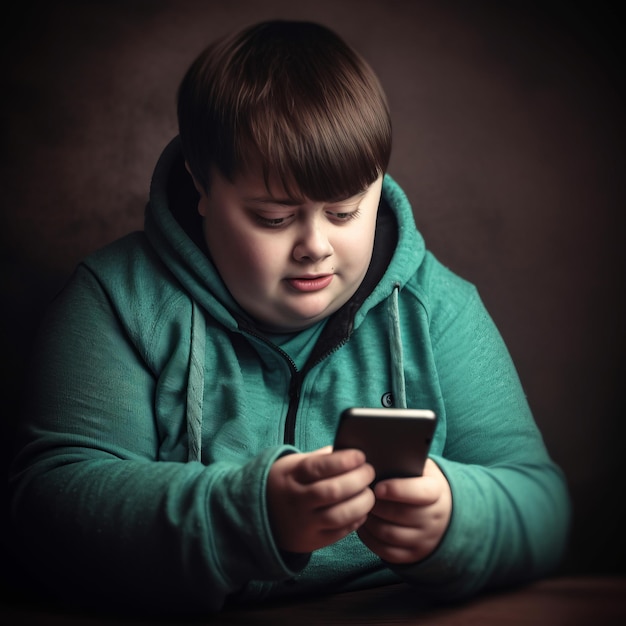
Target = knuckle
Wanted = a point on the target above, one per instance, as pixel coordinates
(337, 517)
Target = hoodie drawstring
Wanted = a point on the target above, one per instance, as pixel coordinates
(398, 386)
(195, 384)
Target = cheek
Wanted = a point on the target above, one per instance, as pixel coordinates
(356, 249)
(255, 261)
(241, 260)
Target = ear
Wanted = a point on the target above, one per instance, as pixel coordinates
(196, 184)
(201, 191)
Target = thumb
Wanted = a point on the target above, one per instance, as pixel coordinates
(324, 450)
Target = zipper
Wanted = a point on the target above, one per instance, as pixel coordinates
(295, 387)
(295, 383)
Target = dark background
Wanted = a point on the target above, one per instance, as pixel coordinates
(509, 141)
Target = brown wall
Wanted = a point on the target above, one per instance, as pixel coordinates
(509, 140)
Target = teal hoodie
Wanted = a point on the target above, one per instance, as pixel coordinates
(157, 409)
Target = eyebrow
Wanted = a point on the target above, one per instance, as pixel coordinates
(271, 200)
(292, 202)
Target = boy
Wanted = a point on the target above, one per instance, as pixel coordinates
(189, 379)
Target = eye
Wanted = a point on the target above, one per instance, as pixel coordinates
(343, 216)
(270, 222)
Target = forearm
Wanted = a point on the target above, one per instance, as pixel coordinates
(509, 524)
(145, 533)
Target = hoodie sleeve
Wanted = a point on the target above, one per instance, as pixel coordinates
(99, 520)
(511, 510)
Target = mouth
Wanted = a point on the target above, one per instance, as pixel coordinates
(310, 283)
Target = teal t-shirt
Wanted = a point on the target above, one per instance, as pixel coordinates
(299, 345)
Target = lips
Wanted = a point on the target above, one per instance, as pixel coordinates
(310, 283)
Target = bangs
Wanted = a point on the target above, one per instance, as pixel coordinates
(295, 97)
(318, 125)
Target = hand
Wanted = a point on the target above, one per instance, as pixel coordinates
(410, 516)
(317, 498)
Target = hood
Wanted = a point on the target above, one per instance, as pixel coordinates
(174, 229)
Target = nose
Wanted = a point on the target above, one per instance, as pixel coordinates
(313, 244)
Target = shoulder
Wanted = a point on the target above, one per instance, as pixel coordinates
(119, 254)
(429, 289)
(435, 284)
(130, 266)
(125, 285)
(443, 295)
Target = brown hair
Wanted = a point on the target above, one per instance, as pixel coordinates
(295, 96)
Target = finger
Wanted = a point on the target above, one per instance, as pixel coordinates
(332, 535)
(350, 513)
(317, 465)
(400, 513)
(338, 489)
(324, 450)
(419, 491)
(390, 552)
(393, 534)
(329, 536)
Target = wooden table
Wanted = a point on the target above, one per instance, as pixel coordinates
(554, 602)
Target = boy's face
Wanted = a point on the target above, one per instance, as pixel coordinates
(288, 262)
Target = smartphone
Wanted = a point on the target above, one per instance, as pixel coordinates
(395, 441)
